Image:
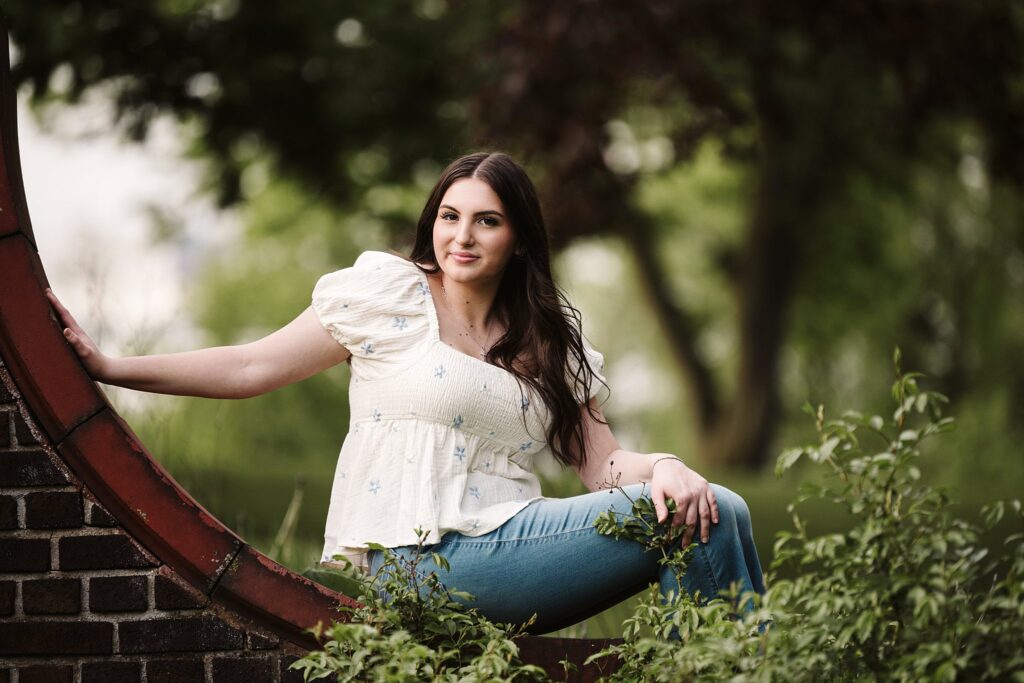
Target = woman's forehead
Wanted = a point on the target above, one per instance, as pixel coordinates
(472, 195)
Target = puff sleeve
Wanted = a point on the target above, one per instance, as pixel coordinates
(376, 309)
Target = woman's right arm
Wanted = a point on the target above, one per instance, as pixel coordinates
(298, 350)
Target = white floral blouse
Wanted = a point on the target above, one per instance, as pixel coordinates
(438, 439)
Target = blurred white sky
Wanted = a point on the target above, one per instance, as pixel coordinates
(89, 195)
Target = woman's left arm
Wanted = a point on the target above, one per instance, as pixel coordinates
(608, 463)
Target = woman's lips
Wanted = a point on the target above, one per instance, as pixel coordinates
(463, 258)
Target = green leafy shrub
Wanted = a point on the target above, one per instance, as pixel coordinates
(419, 633)
(908, 593)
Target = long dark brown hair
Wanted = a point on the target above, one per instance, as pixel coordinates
(541, 323)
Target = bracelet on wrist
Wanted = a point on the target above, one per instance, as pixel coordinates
(666, 457)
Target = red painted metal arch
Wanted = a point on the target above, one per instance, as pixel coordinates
(103, 451)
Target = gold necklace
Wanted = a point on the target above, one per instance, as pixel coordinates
(466, 324)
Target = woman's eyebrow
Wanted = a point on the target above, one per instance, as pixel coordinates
(478, 213)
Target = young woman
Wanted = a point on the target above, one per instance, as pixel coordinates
(467, 362)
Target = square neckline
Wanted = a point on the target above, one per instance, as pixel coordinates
(435, 325)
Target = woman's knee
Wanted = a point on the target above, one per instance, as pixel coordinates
(731, 505)
(733, 512)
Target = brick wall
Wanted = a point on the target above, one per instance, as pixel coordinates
(81, 601)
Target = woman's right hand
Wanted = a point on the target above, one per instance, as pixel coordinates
(92, 358)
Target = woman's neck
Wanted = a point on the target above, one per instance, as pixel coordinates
(472, 304)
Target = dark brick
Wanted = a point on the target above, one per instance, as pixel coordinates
(119, 594)
(258, 641)
(21, 431)
(46, 674)
(100, 517)
(5, 675)
(53, 510)
(51, 596)
(109, 551)
(169, 595)
(29, 468)
(56, 638)
(175, 671)
(182, 634)
(241, 670)
(111, 672)
(7, 590)
(8, 511)
(289, 675)
(24, 554)
(5, 432)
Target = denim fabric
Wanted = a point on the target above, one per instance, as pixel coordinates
(550, 559)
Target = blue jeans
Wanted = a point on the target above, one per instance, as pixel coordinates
(550, 559)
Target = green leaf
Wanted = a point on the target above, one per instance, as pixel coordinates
(828, 447)
(908, 435)
(787, 459)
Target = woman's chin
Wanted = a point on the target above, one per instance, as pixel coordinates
(468, 274)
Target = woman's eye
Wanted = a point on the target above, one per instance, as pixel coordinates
(448, 216)
(489, 220)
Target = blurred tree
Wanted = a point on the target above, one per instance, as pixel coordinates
(823, 109)
(809, 97)
(338, 95)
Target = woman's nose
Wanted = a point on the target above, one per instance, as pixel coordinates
(464, 233)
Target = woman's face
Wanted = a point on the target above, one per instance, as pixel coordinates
(473, 240)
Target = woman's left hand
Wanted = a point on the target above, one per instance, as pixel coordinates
(671, 478)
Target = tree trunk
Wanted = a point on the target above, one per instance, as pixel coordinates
(737, 432)
(676, 324)
(769, 262)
